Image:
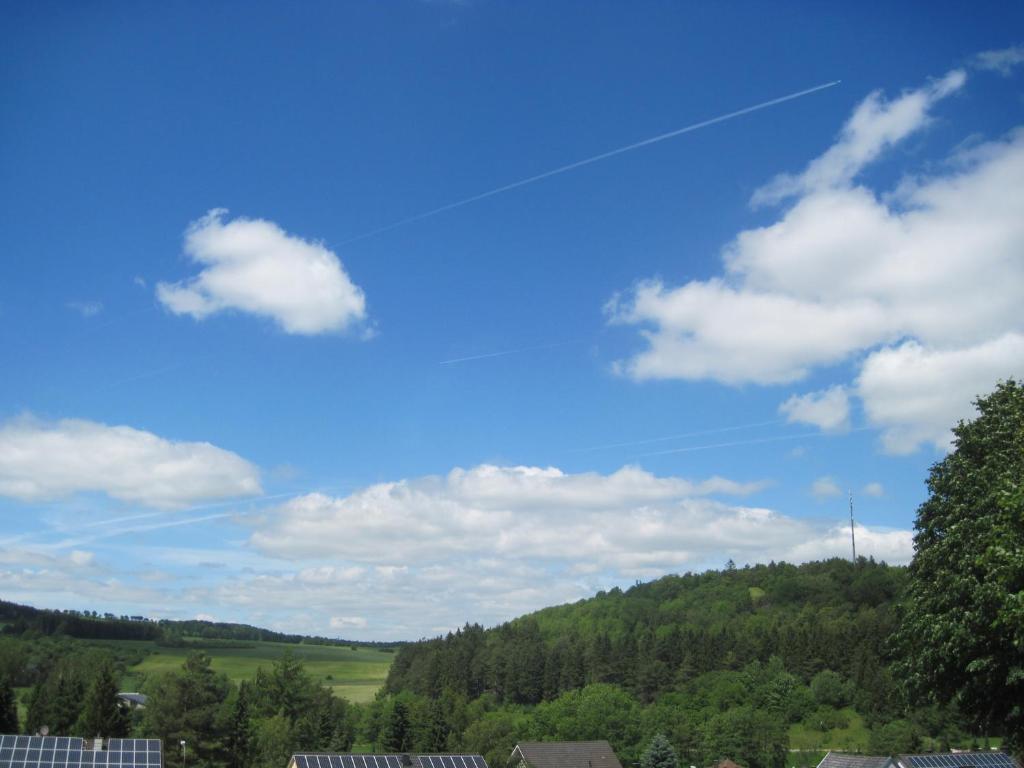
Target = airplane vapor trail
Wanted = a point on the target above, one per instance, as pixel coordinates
(756, 441)
(588, 160)
(680, 436)
(506, 352)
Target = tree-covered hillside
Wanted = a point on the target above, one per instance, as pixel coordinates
(654, 637)
(725, 663)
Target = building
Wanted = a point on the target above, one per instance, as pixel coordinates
(848, 760)
(330, 760)
(563, 754)
(73, 752)
(133, 700)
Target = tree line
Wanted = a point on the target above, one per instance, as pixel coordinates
(19, 620)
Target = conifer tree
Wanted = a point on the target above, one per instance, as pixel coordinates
(8, 708)
(38, 711)
(66, 705)
(102, 712)
(396, 736)
(240, 732)
(659, 754)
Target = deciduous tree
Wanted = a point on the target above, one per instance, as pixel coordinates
(962, 634)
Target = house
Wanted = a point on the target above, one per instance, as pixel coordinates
(989, 759)
(563, 754)
(332, 760)
(133, 700)
(848, 760)
(73, 752)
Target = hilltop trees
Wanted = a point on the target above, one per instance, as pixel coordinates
(962, 635)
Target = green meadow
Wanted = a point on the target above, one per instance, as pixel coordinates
(355, 673)
(852, 738)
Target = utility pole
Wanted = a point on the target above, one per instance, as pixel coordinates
(853, 538)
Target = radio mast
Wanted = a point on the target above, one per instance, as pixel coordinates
(853, 538)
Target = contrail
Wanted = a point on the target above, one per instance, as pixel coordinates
(748, 442)
(109, 534)
(589, 160)
(716, 431)
(194, 508)
(506, 352)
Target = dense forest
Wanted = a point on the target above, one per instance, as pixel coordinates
(654, 637)
(723, 663)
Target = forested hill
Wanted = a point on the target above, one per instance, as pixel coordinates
(658, 636)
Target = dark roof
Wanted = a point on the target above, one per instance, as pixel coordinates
(568, 754)
(988, 759)
(846, 760)
(134, 698)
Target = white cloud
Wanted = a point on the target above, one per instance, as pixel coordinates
(86, 308)
(205, 617)
(50, 460)
(875, 490)
(916, 394)
(892, 546)
(537, 511)
(252, 265)
(1002, 61)
(394, 560)
(630, 523)
(825, 487)
(494, 542)
(828, 409)
(876, 125)
(848, 275)
(81, 557)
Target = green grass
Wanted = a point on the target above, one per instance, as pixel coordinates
(356, 674)
(808, 745)
(853, 738)
(21, 697)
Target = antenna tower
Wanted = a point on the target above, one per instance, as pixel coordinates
(853, 538)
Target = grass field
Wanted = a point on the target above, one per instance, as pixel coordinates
(807, 746)
(853, 738)
(354, 673)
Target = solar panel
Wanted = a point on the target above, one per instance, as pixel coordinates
(313, 760)
(452, 761)
(71, 752)
(961, 760)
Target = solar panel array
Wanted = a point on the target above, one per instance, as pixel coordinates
(70, 752)
(452, 761)
(961, 760)
(348, 761)
(843, 760)
(389, 761)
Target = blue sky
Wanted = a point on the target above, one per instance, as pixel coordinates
(221, 398)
